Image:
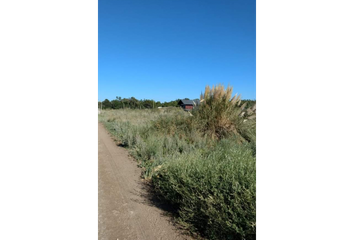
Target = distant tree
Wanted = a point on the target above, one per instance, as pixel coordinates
(147, 103)
(170, 104)
(106, 104)
(123, 103)
(140, 103)
(120, 102)
(116, 104)
(134, 103)
(175, 103)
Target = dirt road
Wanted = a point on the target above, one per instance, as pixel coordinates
(124, 210)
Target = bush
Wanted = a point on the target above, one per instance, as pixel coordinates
(220, 115)
(214, 191)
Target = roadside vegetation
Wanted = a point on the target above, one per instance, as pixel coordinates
(203, 163)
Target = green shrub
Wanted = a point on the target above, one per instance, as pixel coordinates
(214, 191)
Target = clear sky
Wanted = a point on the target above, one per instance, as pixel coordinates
(170, 49)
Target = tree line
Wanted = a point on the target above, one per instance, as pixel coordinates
(134, 103)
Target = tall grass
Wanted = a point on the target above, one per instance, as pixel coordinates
(220, 114)
(153, 136)
(203, 164)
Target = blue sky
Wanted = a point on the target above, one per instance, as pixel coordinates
(165, 50)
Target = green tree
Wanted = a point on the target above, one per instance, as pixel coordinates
(116, 104)
(134, 103)
(147, 103)
(106, 104)
(125, 102)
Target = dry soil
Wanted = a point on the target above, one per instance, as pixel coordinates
(125, 212)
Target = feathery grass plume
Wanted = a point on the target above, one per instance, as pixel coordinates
(233, 99)
(243, 106)
(254, 107)
(236, 99)
(252, 110)
(213, 89)
(218, 92)
(207, 91)
(228, 92)
(220, 113)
